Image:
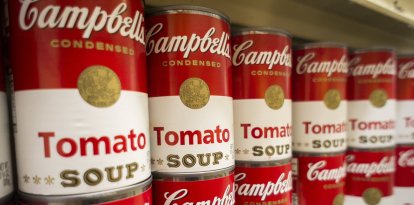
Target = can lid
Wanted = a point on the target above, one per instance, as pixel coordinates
(260, 30)
(263, 163)
(175, 9)
(192, 176)
(374, 49)
(406, 55)
(322, 45)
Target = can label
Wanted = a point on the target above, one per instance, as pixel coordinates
(80, 96)
(319, 99)
(191, 110)
(372, 106)
(269, 185)
(144, 198)
(262, 97)
(326, 176)
(404, 175)
(213, 191)
(405, 103)
(370, 177)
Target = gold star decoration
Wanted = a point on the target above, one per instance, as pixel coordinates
(26, 179)
(238, 151)
(37, 179)
(227, 157)
(143, 167)
(152, 161)
(306, 144)
(49, 180)
(246, 151)
(160, 161)
(299, 144)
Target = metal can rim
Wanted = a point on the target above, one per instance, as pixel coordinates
(405, 55)
(260, 30)
(263, 163)
(326, 44)
(192, 176)
(379, 149)
(316, 154)
(374, 49)
(7, 198)
(96, 197)
(174, 9)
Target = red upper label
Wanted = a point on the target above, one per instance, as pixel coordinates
(52, 43)
(264, 184)
(370, 171)
(199, 49)
(317, 70)
(213, 191)
(319, 176)
(405, 82)
(260, 61)
(404, 174)
(370, 71)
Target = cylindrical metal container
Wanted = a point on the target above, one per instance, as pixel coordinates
(319, 98)
(404, 175)
(370, 176)
(263, 182)
(191, 108)
(200, 188)
(262, 95)
(80, 95)
(372, 94)
(319, 178)
(138, 194)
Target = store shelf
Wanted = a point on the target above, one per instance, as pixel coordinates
(316, 20)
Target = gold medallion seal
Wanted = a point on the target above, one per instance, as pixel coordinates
(99, 86)
(332, 99)
(194, 93)
(274, 97)
(339, 199)
(378, 98)
(372, 196)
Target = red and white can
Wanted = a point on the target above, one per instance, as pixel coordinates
(201, 188)
(80, 95)
(372, 94)
(263, 183)
(370, 176)
(404, 175)
(262, 95)
(319, 98)
(191, 108)
(405, 100)
(319, 179)
(138, 194)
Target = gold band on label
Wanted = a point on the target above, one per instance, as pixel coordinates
(99, 86)
(372, 196)
(274, 97)
(332, 99)
(194, 93)
(339, 199)
(378, 98)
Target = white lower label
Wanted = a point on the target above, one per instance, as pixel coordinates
(405, 122)
(66, 146)
(404, 195)
(261, 133)
(356, 200)
(369, 126)
(318, 129)
(191, 140)
(6, 178)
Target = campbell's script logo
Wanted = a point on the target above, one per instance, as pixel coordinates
(82, 18)
(227, 198)
(406, 158)
(263, 190)
(269, 58)
(318, 172)
(385, 166)
(187, 44)
(373, 69)
(406, 70)
(307, 65)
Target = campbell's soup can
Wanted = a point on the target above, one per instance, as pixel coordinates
(372, 95)
(319, 178)
(191, 108)
(198, 188)
(405, 100)
(319, 98)
(263, 182)
(137, 194)
(370, 176)
(80, 95)
(262, 94)
(404, 175)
